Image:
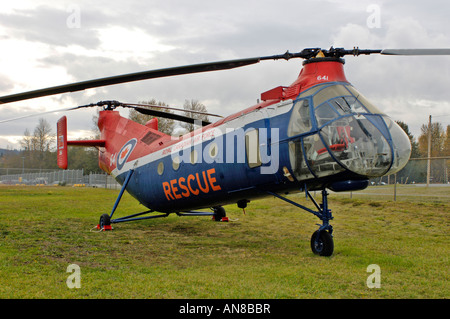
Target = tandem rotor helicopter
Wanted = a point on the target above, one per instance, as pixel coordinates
(318, 133)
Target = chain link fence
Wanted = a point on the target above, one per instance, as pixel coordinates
(415, 172)
(75, 177)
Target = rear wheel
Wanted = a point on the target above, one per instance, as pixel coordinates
(322, 243)
(219, 213)
(105, 220)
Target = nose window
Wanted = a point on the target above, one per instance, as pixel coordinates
(347, 104)
(319, 160)
(358, 145)
(348, 133)
(401, 146)
(328, 93)
(325, 113)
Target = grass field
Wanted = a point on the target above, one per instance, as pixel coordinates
(264, 253)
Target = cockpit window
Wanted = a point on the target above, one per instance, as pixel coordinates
(351, 134)
(328, 102)
(362, 100)
(300, 120)
(347, 104)
(339, 100)
(329, 92)
(345, 99)
(325, 113)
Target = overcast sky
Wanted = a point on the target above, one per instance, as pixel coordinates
(48, 42)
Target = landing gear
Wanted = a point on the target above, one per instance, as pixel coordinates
(219, 213)
(322, 239)
(104, 223)
(322, 243)
(105, 220)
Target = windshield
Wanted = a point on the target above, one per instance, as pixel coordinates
(334, 128)
(328, 102)
(344, 100)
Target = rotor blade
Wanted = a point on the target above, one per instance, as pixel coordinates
(173, 108)
(37, 114)
(172, 116)
(415, 51)
(152, 74)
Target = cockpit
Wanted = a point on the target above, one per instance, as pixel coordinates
(334, 128)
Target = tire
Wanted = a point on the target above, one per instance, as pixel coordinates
(105, 220)
(219, 213)
(322, 245)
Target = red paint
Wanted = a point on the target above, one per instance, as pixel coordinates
(61, 142)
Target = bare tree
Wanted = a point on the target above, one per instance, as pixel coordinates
(27, 141)
(43, 136)
(164, 125)
(37, 147)
(194, 105)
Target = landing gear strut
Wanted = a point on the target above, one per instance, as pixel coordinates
(106, 220)
(218, 214)
(322, 239)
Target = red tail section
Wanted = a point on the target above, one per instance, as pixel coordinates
(127, 140)
(62, 142)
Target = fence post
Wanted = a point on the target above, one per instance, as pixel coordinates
(395, 187)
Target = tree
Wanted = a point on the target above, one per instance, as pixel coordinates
(438, 138)
(27, 141)
(85, 158)
(447, 142)
(164, 125)
(37, 147)
(194, 105)
(43, 136)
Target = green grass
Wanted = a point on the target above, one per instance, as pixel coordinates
(264, 253)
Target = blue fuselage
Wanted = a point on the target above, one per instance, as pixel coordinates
(328, 137)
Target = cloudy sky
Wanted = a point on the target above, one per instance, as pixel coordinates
(47, 42)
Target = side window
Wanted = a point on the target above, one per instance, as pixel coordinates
(300, 121)
(252, 148)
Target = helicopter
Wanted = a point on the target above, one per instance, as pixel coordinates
(317, 134)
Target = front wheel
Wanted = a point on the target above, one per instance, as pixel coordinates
(322, 243)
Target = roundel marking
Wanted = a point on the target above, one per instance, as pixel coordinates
(125, 152)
